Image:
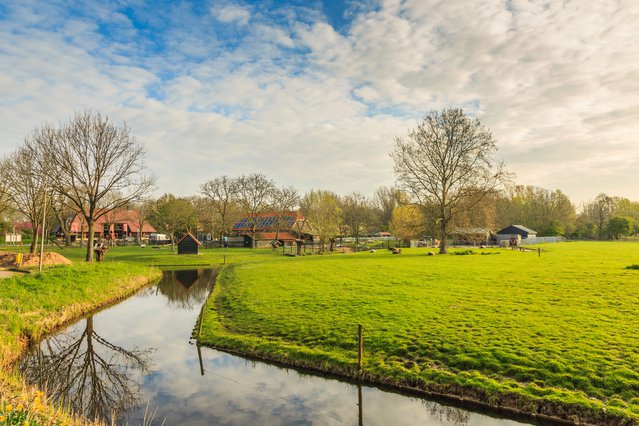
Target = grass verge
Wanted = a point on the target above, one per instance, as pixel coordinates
(33, 305)
(550, 333)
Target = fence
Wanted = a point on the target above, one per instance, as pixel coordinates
(539, 240)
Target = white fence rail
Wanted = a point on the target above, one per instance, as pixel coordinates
(539, 240)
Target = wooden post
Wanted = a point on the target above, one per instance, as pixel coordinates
(360, 357)
(360, 407)
(539, 251)
(199, 355)
(224, 259)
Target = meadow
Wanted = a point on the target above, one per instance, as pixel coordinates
(551, 333)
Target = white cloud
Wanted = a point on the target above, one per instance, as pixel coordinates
(230, 13)
(317, 108)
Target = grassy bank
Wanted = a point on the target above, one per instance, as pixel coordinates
(35, 304)
(553, 334)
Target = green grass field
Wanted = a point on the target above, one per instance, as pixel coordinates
(538, 333)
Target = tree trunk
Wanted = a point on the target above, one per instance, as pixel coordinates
(90, 239)
(34, 241)
(443, 249)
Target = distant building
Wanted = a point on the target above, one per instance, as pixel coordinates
(119, 224)
(285, 228)
(471, 236)
(518, 232)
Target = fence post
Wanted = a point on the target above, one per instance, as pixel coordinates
(360, 357)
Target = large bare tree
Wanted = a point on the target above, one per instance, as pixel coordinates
(90, 160)
(446, 162)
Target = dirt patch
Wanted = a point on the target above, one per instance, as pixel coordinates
(8, 259)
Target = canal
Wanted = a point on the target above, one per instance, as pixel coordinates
(135, 363)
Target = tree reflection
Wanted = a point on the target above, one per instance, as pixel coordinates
(452, 415)
(187, 289)
(87, 373)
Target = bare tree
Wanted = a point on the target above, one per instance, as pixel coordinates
(91, 158)
(600, 211)
(358, 214)
(255, 192)
(143, 211)
(222, 194)
(386, 199)
(21, 172)
(63, 214)
(283, 201)
(446, 162)
(5, 198)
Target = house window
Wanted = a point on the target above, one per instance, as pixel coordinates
(118, 230)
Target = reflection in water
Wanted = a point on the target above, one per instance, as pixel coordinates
(447, 414)
(188, 385)
(87, 373)
(187, 289)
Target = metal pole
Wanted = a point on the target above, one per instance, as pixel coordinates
(44, 215)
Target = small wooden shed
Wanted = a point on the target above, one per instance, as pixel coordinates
(188, 244)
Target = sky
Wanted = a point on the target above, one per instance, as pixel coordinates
(313, 93)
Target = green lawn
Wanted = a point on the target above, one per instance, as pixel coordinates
(510, 328)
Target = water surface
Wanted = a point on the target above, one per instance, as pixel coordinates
(136, 361)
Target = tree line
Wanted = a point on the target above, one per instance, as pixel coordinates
(446, 181)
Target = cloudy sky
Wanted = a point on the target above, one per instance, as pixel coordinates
(312, 93)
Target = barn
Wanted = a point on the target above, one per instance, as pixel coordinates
(188, 244)
(518, 232)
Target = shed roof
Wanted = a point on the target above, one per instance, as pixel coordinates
(188, 234)
(520, 227)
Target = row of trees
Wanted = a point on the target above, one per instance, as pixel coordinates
(550, 212)
(446, 180)
(225, 200)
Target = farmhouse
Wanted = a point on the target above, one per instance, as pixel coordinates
(285, 228)
(116, 225)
